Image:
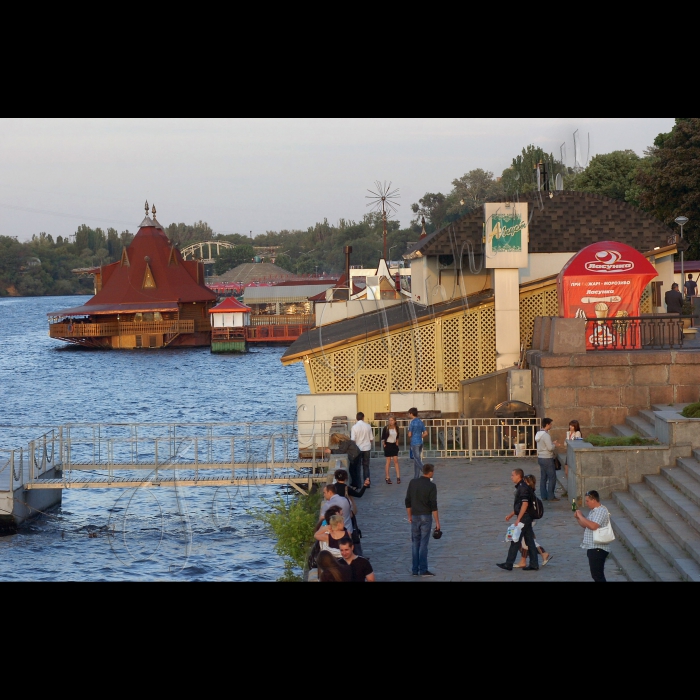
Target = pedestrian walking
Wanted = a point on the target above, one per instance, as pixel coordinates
(390, 443)
(598, 516)
(416, 433)
(363, 436)
(521, 504)
(546, 556)
(422, 507)
(360, 568)
(673, 300)
(545, 458)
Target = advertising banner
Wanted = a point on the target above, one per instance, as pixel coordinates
(506, 230)
(605, 281)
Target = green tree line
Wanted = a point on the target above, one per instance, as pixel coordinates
(664, 181)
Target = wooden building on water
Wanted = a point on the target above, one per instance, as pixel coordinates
(151, 298)
(230, 321)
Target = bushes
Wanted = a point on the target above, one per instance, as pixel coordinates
(620, 441)
(292, 524)
(691, 410)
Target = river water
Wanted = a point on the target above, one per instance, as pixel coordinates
(187, 534)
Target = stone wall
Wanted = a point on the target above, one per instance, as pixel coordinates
(601, 388)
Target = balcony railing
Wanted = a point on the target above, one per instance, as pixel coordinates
(282, 320)
(98, 330)
(635, 332)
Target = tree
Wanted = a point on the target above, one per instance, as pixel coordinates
(610, 174)
(232, 257)
(285, 262)
(670, 187)
(471, 191)
(432, 207)
(521, 176)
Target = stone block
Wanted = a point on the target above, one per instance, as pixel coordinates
(607, 416)
(537, 333)
(684, 374)
(555, 360)
(661, 395)
(645, 460)
(686, 357)
(650, 357)
(545, 330)
(601, 359)
(688, 393)
(566, 376)
(598, 396)
(646, 375)
(562, 416)
(611, 376)
(604, 485)
(567, 336)
(637, 396)
(559, 397)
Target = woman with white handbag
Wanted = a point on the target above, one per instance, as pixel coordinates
(597, 536)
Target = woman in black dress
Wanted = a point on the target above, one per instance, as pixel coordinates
(390, 442)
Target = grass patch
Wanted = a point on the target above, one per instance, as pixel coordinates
(620, 440)
(292, 524)
(692, 410)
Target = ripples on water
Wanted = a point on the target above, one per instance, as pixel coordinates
(186, 534)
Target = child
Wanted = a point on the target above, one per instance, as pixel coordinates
(531, 482)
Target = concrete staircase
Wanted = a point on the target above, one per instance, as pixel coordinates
(657, 522)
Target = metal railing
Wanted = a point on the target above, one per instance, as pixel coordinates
(96, 330)
(635, 332)
(282, 319)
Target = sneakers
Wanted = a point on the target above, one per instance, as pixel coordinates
(531, 568)
(427, 573)
(506, 567)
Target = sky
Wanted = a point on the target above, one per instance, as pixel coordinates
(243, 175)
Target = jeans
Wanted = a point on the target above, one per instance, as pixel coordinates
(548, 478)
(420, 536)
(528, 535)
(364, 456)
(417, 461)
(354, 469)
(596, 562)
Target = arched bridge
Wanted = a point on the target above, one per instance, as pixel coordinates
(191, 251)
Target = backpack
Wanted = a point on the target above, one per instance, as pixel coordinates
(535, 508)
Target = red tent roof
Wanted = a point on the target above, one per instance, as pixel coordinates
(229, 305)
(607, 258)
(150, 271)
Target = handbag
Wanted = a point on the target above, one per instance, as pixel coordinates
(604, 534)
(356, 532)
(311, 559)
(557, 463)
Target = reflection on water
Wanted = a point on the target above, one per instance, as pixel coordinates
(144, 534)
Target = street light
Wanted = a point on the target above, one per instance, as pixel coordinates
(682, 221)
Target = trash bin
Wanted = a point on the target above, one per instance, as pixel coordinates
(512, 434)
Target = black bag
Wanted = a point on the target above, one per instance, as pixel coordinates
(311, 559)
(557, 463)
(356, 532)
(535, 507)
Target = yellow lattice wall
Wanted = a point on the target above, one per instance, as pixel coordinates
(442, 350)
(645, 304)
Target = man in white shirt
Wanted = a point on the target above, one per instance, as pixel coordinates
(363, 436)
(598, 516)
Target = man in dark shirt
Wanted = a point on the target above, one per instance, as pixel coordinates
(421, 506)
(674, 300)
(690, 286)
(523, 495)
(360, 568)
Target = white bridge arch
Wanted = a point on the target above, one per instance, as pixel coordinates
(190, 251)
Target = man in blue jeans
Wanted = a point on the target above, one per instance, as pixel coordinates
(421, 506)
(545, 458)
(416, 433)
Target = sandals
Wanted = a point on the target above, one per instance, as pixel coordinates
(398, 479)
(388, 481)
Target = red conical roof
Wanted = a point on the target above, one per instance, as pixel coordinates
(229, 305)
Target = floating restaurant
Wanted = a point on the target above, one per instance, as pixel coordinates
(151, 298)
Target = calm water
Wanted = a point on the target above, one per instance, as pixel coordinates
(188, 534)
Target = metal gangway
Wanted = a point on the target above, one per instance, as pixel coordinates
(144, 455)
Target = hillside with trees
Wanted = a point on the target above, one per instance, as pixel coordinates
(665, 181)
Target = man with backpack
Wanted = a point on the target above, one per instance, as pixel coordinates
(526, 505)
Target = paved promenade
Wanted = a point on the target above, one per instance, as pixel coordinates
(473, 500)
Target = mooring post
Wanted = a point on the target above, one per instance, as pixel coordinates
(233, 462)
(156, 453)
(196, 458)
(272, 471)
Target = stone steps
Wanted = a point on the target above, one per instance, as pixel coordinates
(626, 562)
(645, 556)
(687, 482)
(641, 426)
(623, 430)
(690, 465)
(657, 539)
(688, 509)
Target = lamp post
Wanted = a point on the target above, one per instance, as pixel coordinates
(682, 221)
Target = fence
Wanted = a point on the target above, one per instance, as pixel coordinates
(636, 332)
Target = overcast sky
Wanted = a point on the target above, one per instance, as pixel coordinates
(258, 175)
